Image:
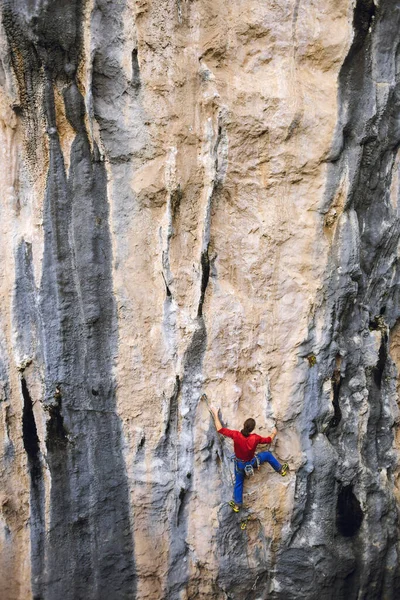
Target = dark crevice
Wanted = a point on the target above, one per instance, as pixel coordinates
(363, 16)
(173, 408)
(175, 200)
(9, 450)
(37, 492)
(140, 449)
(181, 502)
(136, 83)
(29, 434)
(378, 370)
(56, 433)
(304, 498)
(217, 163)
(364, 13)
(336, 384)
(205, 276)
(349, 515)
(167, 289)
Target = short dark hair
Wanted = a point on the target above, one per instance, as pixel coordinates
(248, 427)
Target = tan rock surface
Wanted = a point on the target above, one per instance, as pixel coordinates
(187, 207)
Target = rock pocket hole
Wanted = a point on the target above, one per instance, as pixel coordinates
(349, 515)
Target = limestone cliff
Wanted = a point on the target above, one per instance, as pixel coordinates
(198, 195)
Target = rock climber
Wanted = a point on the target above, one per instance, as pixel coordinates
(245, 443)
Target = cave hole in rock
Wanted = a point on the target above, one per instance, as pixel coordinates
(349, 514)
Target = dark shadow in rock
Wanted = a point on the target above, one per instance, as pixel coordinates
(349, 515)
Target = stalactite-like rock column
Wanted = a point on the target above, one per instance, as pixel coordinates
(198, 196)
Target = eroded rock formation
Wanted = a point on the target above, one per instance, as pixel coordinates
(198, 196)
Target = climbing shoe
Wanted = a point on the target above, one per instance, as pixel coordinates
(284, 469)
(234, 506)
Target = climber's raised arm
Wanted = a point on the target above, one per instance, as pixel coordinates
(269, 439)
(214, 412)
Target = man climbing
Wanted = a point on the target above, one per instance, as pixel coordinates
(245, 443)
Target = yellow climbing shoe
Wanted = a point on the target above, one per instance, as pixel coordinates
(284, 469)
(234, 506)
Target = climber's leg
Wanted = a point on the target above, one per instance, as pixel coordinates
(239, 480)
(270, 459)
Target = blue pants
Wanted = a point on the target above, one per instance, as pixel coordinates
(239, 472)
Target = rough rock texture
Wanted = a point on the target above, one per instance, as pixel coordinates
(198, 195)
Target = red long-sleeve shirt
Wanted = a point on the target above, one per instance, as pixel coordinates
(244, 447)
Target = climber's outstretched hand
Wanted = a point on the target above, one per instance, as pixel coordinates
(214, 411)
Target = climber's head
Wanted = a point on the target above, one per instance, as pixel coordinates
(248, 427)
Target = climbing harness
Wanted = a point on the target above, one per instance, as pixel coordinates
(249, 471)
(249, 466)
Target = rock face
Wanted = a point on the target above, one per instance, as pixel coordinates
(198, 196)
